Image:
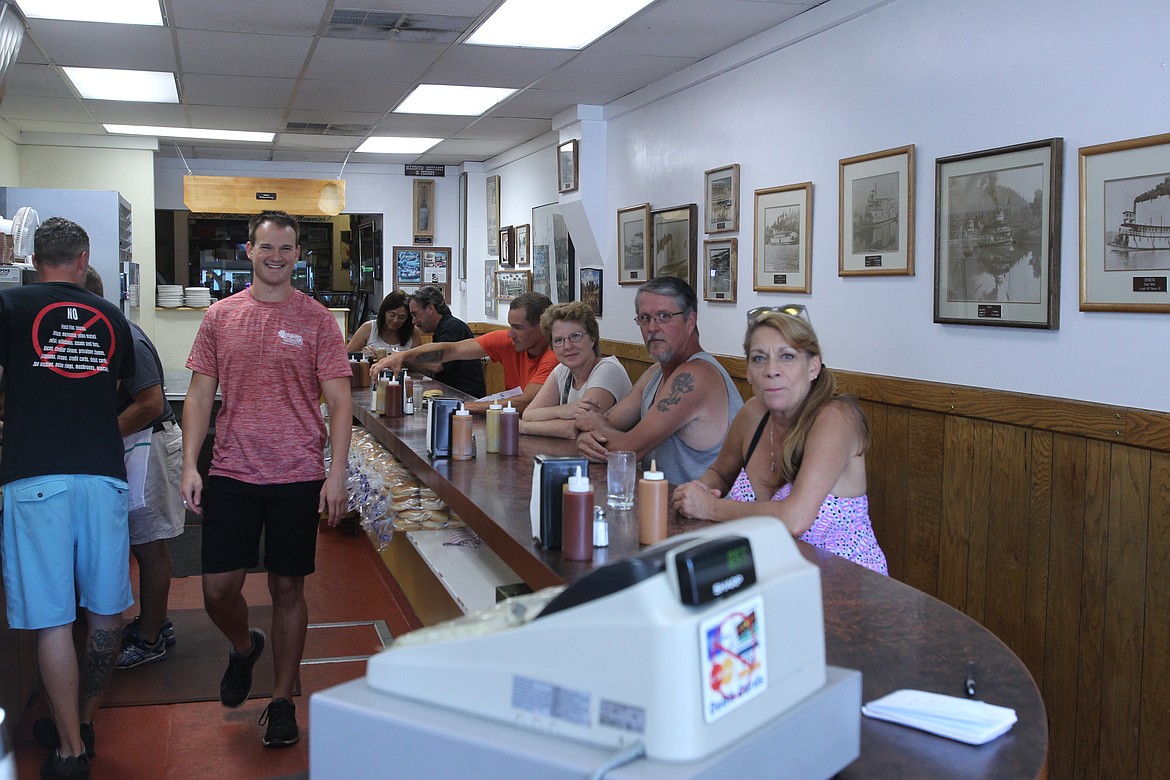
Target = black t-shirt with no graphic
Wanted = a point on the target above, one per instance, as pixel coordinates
(63, 350)
(465, 375)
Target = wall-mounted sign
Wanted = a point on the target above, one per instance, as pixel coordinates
(252, 195)
(426, 170)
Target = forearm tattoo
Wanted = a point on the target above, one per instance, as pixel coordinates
(429, 357)
(98, 663)
(679, 386)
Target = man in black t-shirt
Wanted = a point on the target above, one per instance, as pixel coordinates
(432, 315)
(63, 351)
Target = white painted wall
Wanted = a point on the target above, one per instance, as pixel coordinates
(9, 164)
(950, 77)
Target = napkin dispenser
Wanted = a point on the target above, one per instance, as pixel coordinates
(549, 475)
(439, 412)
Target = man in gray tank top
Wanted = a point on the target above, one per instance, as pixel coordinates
(679, 411)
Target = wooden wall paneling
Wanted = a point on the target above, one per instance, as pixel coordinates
(1039, 559)
(1154, 734)
(1059, 686)
(979, 518)
(1124, 610)
(955, 522)
(1006, 571)
(924, 500)
(1094, 530)
(894, 475)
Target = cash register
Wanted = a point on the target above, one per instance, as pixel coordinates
(702, 654)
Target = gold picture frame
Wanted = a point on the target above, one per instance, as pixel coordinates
(424, 211)
(721, 188)
(876, 214)
(782, 250)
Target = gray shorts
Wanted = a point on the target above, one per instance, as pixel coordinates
(163, 516)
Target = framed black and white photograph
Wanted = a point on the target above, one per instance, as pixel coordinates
(720, 257)
(722, 199)
(633, 223)
(493, 215)
(407, 265)
(490, 307)
(673, 233)
(590, 292)
(567, 166)
(508, 247)
(424, 211)
(523, 250)
(997, 236)
(1125, 225)
(876, 214)
(553, 255)
(510, 284)
(783, 239)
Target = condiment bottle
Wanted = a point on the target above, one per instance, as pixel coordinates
(373, 394)
(380, 392)
(461, 434)
(652, 489)
(493, 427)
(509, 430)
(393, 397)
(407, 388)
(577, 519)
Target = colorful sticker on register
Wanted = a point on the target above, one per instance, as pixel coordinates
(733, 662)
(67, 341)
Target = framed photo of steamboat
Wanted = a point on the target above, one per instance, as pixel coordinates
(673, 232)
(997, 236)
(783, 239)
(633, 224)
(876, 215)
(1125, 225)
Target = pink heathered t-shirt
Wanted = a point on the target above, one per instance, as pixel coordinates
(270, 359)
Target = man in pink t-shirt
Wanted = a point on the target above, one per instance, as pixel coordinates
(521, 349)
(273, 352)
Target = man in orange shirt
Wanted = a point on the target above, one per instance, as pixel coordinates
(521, 350)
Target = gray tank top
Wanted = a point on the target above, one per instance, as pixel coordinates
(678, 461)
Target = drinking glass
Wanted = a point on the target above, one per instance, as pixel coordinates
(621, 474)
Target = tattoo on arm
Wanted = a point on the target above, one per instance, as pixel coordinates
(429, 357)
(679, 386)
(98, 663)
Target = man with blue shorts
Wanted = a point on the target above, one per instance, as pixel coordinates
(63, 351)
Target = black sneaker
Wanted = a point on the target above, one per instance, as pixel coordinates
(281, 715)
(68, 768)
(167, 630)
(45, 733)
(237, 679)
(136, 651)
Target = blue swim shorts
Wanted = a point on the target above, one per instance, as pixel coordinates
(59, 530)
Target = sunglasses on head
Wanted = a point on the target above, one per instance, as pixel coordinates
(791, 309)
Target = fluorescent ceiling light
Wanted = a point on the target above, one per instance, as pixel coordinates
(190, 132)
(451, 100)
(553, 24)
(137, 86)
(396, 145)
(120, 12)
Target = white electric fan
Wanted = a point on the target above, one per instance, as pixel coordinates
(21, 227)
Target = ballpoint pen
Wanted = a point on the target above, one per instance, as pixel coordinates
(970, 683)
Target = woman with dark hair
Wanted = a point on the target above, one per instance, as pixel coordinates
(395, 327)
(796, 443)
(583, 382)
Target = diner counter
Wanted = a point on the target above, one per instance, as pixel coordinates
(897, 636)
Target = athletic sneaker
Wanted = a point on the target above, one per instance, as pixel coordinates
(136, 651)
(167, 631)
(68, 768)
(45, 733)
(281, 715)
(237, 678)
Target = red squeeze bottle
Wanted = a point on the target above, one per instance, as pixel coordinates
(509, 430)
(577, 519)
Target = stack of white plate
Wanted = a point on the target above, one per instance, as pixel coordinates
(170, 296)
(198, 297)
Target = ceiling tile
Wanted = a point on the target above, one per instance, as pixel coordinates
(489, 127)
(592, 75)
(542, 103)
(334, 143)
(421, 125)
(270, 17)
(31, 107)
(243, 91)
(90, 45)
(371, 61)
(493, 66)
(351, 95)
(320, 116)
(232, 53)
(39, 80)
(268, 120)
(117, 112)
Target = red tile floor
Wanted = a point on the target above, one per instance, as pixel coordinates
(206, 740)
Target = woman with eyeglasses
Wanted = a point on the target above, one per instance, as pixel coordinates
(795, 451)
(583, 382)
(395, 327)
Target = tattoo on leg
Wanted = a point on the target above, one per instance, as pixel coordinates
(679, 386)
(98, 662)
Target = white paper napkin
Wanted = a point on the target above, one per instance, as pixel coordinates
(964, 720)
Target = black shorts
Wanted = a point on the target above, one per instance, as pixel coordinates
(234, 514)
